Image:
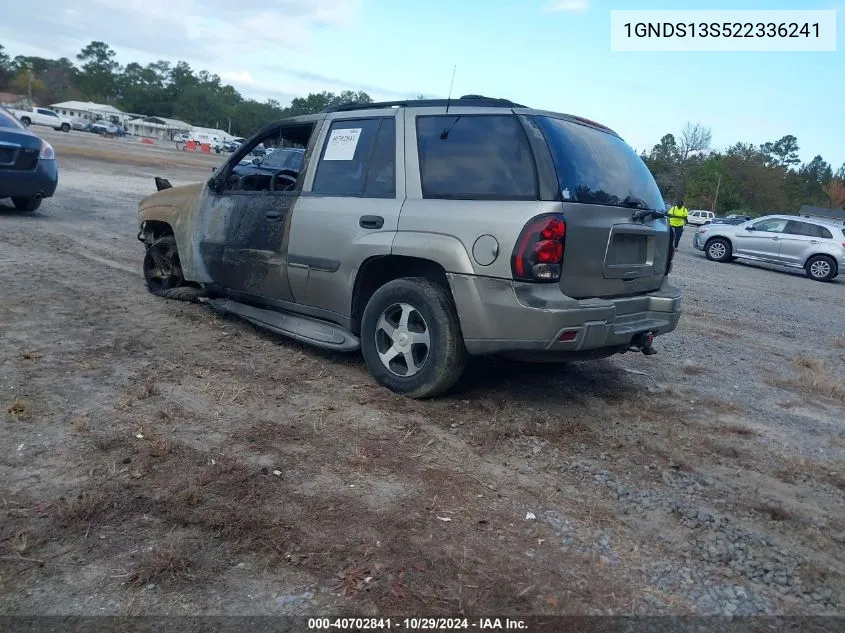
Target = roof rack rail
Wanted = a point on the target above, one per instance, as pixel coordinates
(477, 101)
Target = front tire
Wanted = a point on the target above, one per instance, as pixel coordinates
(718, 250)
(411, 338)
(26, 121)
(27, 204)
(163, 271)
(821, 268)
(65, 127)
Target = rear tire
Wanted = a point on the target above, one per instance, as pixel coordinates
(411, 338)
(27, 204)
(26, 121)
(718, 249)
(821, 268)
(163, 272)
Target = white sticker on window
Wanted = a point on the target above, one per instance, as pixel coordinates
(342, 144)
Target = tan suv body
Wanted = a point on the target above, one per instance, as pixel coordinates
(422, 232)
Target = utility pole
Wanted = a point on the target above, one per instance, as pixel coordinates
(230, 125)
(29, 88)
(716, 197)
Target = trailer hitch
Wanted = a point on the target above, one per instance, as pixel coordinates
(643, 342)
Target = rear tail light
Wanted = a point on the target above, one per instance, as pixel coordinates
(538, 254)
(47, 152)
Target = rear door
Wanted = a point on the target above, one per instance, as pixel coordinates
(349, 208)
(614, 247)
(761, 239)
(799, 240)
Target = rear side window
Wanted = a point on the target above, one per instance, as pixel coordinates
(358, 159)
(482, 157)
(807, 229)
(597, 167)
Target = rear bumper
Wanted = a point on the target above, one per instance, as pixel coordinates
(24, 184)
(501, 316)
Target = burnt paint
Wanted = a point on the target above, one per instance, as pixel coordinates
(241, 240)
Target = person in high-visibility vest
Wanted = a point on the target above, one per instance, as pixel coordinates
(677, 219)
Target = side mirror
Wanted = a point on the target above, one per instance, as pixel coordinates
(214, 169)
(256, 161)
(749, 228)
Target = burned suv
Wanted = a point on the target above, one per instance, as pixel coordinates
(421, 232)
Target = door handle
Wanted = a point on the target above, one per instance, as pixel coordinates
(814, 241)
(775, 239)
(371, 222)
(273, 215)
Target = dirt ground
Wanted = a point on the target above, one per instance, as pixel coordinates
(157, 459)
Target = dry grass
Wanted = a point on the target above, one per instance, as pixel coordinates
(735, 429)
(691, 369)
(814, 575)
(814, 380)
(29, 354)
(80, 425)
(775, 512)
(19, 409)
(720, 405)
(171, 564)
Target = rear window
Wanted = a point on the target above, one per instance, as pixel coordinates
(475, 157)
(8, 121)
(596, 167)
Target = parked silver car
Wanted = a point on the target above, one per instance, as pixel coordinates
(814, 244)
(421, 232)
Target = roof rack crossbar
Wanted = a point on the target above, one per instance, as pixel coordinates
(472, 100)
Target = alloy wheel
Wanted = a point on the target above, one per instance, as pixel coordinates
(403, 340)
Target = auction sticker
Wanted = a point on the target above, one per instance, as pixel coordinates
(342, 144)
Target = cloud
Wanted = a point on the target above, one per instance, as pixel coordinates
(568, 6)
(202, 31)
(237, 77)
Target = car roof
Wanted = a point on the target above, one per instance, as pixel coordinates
(463, 103)
(801, 218)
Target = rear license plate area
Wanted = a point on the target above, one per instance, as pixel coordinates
(628, 249)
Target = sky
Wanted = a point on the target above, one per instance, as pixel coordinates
(549, 54)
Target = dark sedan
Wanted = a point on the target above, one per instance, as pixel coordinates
(289, 159)
(28, 170)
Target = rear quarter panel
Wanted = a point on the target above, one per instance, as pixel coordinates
(446, 231)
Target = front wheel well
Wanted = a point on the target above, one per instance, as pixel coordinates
(377, 271)
(718, 237)
(151, 230)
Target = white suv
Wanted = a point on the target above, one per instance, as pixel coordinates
(814, 244)
(697, 217)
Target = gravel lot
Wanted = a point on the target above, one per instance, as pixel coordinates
(160, 459)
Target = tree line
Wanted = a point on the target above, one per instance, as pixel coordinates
(161, 88)
(746, 178)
